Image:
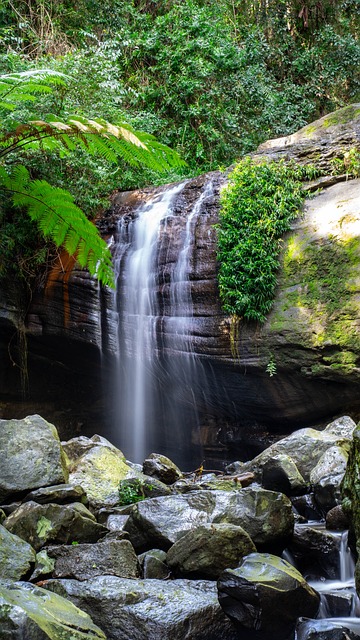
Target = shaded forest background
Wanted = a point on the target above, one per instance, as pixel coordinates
(210, 79)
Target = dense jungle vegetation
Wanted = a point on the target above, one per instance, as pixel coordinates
(209, 79)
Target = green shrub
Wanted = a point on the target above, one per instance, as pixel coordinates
(257, 207)
(131, 491)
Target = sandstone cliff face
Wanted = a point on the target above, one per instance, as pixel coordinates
(311, 338)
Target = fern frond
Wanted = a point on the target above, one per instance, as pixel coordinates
(96, 137)
(25, 85)
(58, 218)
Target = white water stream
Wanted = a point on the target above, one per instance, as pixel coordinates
(150, 384)
(339, 605)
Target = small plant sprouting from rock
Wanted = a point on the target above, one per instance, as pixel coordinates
(132, 490)
(349, 164)
(271, 367)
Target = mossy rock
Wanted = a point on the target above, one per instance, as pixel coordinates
(50, 615)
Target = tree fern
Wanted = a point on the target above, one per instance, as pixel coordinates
(53, 209)
(59, 219)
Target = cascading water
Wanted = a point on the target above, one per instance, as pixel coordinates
(339, 605)
(155, 391)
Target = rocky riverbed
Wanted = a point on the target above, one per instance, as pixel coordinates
(93, 546)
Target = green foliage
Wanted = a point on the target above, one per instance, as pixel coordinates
(349, 164)
(131, 491)
(58, 218)
(53, 208)
(271, 366)
(212, 80)
(257, 207)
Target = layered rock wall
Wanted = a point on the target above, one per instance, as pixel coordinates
(311, 337)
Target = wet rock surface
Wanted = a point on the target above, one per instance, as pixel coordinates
(162, 468)
(27, 612)
(85, 561)
(208, 550)
(261, 585)
(16, 556)
(207, 526)
(150, 609)
(51, 523)
(31, 456)
(265, 515)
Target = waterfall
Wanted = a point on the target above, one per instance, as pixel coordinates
(157, 370)
(339, 604)
(347, 563)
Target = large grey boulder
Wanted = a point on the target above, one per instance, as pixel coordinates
(267, 595)
(305, 447)
(16, 556)
(280, 473)
(208, 550)
(52, 523)
(85, 561)
(159, 522)
(28, 612)
(327, 475)
(150, 609)
(31, 456)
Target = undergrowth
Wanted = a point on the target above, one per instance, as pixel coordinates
(257, 207)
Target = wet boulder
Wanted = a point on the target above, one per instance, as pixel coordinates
(266, 595)
(281, 474)
(116, 522)
(30, 612)
(213, 482)
(337, 519)
(16, 556)
(85, 561)
(305, 447)
(327, 475)
(31, 456)
(97, 466)
(153, 564)
(58, 494)
(266, 516)
(41, 525)
(208, 550)
(306, 507)
(161, 468)
(150, 609)
(316, 552)
(327, 630)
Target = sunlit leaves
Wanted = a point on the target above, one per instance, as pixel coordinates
(257, 207)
